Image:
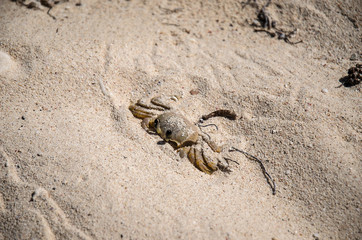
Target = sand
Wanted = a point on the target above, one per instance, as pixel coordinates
(76, 164)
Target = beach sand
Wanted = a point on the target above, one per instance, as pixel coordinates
(76, 164)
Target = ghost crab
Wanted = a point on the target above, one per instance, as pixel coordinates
(158, 116)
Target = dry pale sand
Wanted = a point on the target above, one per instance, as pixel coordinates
(75, 163)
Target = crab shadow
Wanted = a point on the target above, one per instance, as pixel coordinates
(161, 142)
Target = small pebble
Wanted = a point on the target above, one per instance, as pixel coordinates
(316, 236)
(255, 23)
(194, 92)
(287, 172)
(324, 90)
(354, 57)
(274, 24)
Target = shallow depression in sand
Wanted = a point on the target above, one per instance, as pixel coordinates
(6, 63)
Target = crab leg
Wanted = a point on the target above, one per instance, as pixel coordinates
(143, 103)
(142, 109)
(211, 143)
(140, 112)
(210, 164)
(159, 101)
(200, 162)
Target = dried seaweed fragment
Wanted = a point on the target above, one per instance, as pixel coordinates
(229, 114)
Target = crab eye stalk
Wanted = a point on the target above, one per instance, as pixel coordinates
(156, 122)
(168, 133)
